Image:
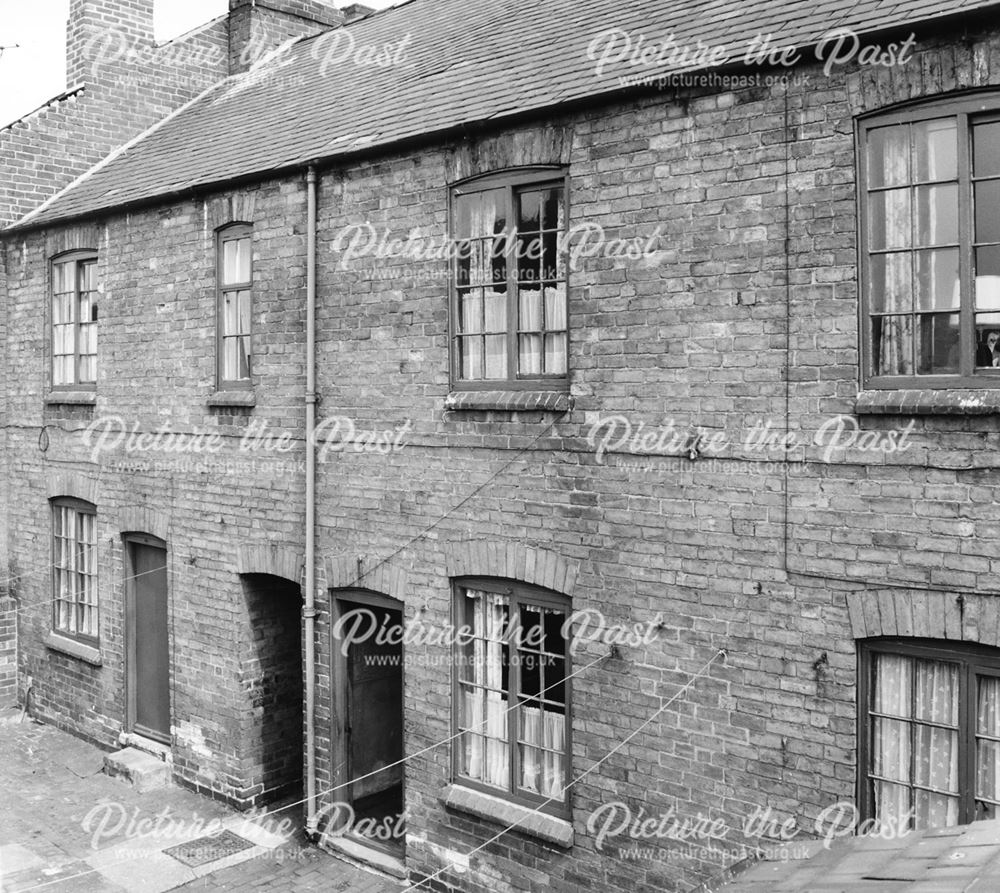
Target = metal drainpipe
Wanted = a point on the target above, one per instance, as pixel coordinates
(309, 612)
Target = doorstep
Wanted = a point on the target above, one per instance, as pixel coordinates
(359, 852)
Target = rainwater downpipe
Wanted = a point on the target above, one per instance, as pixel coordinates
(309, 611)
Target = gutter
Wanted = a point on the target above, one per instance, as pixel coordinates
(309, 610)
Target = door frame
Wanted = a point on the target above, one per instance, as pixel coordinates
(339, 714)
(142, 539)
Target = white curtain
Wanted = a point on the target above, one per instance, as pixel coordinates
(487, 751)
(891, 739)
(894, 347)
(936, 751)
(542, 769)
(543, 311)
(987, 751)
(910, 754)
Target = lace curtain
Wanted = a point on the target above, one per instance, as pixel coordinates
(485, 714)
(907, 751)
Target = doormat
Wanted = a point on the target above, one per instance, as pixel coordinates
(203, 850)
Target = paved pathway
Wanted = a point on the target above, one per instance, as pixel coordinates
(65, 826)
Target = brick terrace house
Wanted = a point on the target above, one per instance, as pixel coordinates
(486, 314)
(120, 82)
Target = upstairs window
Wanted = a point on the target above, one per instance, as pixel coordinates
(512, 692)
(510, 284)
(74, 568)
(235, 276)
(930, 743)
(931, 238)
(74, 320)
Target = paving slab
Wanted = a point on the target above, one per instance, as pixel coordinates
(69, 828)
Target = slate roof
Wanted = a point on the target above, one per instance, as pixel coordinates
(467, 61)
(946, 860)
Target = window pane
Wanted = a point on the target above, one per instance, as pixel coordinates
(244, 312)
(987, 211)
(541, 755)
(88, 276)
(986, 149)
(937, 692)
(936, 763)
(937, 345)
(892, 803)
(987, 340)
(892, 345)
(88, 369)
(496, 356)
(530, 316)
(243, 356)
(62, 278)
(934, 810)
(892, 282)
(62, 309)
(530, 354)
(529, 212)
(480, 214)
(891, 748)
(988, 261)
(230, 359)
(937, 279)
(893, 684)
(987, 750)
(495, 309)
(529, 258)
(935, 146)
(470, 310)
(555, 354)
(552, 209)
(470, 350)
(890, 219)
(229, 306)
(888, 156)
(235, 261)
(555, 307)
(937, 215)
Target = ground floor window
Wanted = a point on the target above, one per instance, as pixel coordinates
(512, 691)
(74, 568)
(930, 748)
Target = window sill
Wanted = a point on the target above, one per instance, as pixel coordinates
(946, 401)
(72, 398)
(496, 809)
(510, 401)
(233, 398)
(86, 653)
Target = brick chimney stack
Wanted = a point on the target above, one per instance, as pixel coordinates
(103, 31)
(258, 26)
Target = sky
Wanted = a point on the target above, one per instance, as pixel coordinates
(36, 71)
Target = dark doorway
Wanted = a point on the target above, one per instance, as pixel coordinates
(271, 673)
(375, 725)
(148, 640)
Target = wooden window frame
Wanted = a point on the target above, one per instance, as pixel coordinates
(78, 260)
(518, 593)
(79, 507)
(968, 110)
(231, 232)
(972, 661)
(513, 181)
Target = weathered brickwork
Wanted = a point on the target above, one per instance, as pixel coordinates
(748, 314)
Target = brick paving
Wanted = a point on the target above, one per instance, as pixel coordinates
(55, 797)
